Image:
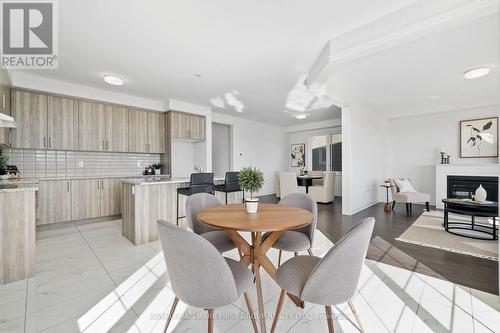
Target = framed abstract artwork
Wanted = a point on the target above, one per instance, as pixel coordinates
(298, 155)
(479, 138)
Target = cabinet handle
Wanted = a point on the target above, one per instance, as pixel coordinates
(44, 142)
(67, 185)
(50, 142)
(107, 145)
(103, 145)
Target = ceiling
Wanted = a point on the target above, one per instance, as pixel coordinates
(426, 75)
(252, 55)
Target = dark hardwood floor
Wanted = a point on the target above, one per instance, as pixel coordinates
(465, 270)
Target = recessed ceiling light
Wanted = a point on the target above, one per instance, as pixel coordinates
(113, 80)
(301, 116)
(476, 73)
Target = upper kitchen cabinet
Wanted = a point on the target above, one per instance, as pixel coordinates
(156, 132)
(186, 126)
(62, 119)
(116, 128)
(138, 131)
(92, 126)
(30, 112)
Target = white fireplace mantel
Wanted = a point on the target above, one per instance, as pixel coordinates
(443, 170)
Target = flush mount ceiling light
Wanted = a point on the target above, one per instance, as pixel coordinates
(476, 73)
(113, 80)
(301, 116)
(198, 75)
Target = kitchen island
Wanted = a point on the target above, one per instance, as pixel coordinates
(17, 230)
(145, 201)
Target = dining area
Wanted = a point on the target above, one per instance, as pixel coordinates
(202, 275)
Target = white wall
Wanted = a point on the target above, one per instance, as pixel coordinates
(256, 144)
(415, 142)
(364, 156)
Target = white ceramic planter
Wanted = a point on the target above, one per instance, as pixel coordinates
(252, 205)
(157, 172)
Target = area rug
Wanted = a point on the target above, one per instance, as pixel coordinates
(428, 231)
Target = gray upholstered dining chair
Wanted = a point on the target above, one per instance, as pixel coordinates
(218, 237)
(299, 239)
(329, 280)
(199, 275)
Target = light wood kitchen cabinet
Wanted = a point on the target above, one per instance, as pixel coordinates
(110, 193)
(92, 126)
(85, 198)
(116, 128)
(62, 123)
(138, 131)
(30, 112)
(156, 132)
(186, 126)
(54, 201)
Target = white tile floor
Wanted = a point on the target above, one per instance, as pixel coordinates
(91, 279)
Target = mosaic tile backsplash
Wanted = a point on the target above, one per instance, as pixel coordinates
(61, 163)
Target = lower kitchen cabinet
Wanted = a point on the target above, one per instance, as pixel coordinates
(54, 201)
(85, 198)
(68, 200)
(110, 194)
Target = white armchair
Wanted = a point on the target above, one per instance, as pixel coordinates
(288, 183)
(324, 193)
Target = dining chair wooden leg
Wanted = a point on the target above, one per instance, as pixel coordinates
(329, 319)
(353, 309)
(310, 251)
(251, 312)
(279, 258)
(210, 320)
(295, 254)
(170, 315)
(278, 310)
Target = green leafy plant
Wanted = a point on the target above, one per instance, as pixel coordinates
(3, 159)
(157, 165)
(251, 180)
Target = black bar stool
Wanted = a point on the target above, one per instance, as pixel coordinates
(199, 183)
(231, 184)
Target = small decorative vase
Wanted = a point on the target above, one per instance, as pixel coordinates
(157, 171)
(252, 204)
(480, 194)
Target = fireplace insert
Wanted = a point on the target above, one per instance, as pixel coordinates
(464, 187)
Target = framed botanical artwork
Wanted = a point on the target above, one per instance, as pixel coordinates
(298, 155)
(479, 137)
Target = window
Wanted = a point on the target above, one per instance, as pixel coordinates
(323, 159)
(336, 152)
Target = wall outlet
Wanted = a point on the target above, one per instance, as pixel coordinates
(80, 164)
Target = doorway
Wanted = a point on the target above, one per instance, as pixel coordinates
(221, 149)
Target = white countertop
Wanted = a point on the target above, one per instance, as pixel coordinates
(152, 181)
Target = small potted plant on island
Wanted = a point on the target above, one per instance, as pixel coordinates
(157, 166)
(251, 180)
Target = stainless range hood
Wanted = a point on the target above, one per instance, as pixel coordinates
(7, 121)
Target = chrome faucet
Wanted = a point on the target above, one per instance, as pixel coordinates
(198, 169)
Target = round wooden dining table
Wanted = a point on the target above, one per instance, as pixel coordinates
(272, 218)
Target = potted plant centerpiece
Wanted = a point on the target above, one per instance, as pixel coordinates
(157, 166)
(251, 180)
